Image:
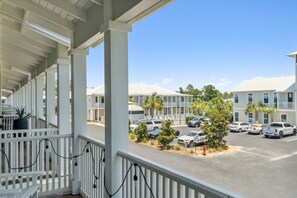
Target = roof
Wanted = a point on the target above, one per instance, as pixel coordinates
(140, 89)
(277, 84)
(292, 55)
(135, 108)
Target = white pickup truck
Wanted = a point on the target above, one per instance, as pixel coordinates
(279, 129)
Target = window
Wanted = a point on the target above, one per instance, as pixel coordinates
(235, 98)
(266, 98)
(96, 99)
(266, 118)
(283, 118)
(287, 125)
(102, 100)
(236, 116)
(250, 97)
(275, 98)
(182, 99)
(250, 117)
(174, 99)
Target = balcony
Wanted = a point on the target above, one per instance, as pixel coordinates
(44, 45)
(286, 105)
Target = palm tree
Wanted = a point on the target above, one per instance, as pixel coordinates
(253, 108)
(270, 111)
(152, 103)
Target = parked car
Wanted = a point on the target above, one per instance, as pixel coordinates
(255, 129)
(205, 120)
(239, 126)
(152, 124)
(155, 133)
(191, 138)
(279, 129)
(195, 122)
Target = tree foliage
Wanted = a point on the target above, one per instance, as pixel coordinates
(167, 135)
(253, 108)
(152, 103)
(141, 132)
(219, 113)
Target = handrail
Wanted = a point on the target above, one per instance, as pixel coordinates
(41, 119)
(191, 182)
(29, 130)
(92, 140)
(30, 138)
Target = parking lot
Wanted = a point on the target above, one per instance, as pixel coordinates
(262, 168)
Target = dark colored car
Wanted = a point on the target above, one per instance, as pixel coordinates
(196, 122)
(155, 133)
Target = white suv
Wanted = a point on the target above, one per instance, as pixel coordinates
(152, 124)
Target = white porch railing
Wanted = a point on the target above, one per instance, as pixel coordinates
(286, 105)
(164, 182)
(28, 149)
(7, 121)
(89, 167)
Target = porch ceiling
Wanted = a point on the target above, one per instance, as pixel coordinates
(30, 31)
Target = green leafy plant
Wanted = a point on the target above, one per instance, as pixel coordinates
(166, 135)
(188, 118)
(142, 132)
(132, 136)
(177, 147)
(20, 112)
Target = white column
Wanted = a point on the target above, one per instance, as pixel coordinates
(39, 97)
(63, 96)
(23, 89)
(116, 100)
(50, 96)
(78, 107)
(33, 97)
(1, 91)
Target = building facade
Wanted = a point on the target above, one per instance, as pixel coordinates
(176, 106)
(278, 92)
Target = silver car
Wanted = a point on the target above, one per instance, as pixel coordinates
(239, 126)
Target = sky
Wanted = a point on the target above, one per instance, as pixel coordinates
(202, 42)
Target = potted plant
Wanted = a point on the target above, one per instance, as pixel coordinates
(22, 119)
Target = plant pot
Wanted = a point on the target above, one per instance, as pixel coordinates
(20, 124)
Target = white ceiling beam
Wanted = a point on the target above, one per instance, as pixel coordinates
(9, 55)
(26, 14)
(70, 9)
(6, 70)
(44, 13)
(16, 14)
(17, 63)
(9, 87)
(98, 2)
(18, 48)
(49, 26)
(29, 33)
(18, 36)
(11, 40)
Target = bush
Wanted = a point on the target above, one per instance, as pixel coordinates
(142, 132)
(132, 136)
(188, 118)
(177, 147)
(167, 134)
(152, 142)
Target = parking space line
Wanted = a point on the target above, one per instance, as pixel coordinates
(249, 152)
(283, 157)
(291, 140)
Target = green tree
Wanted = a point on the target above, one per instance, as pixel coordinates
(210, 92)
(253, 108)
(167, 135)
(270, 111)
(152, 103)
(141, 132)
(227, 95)
(200, 106)
(219, 113)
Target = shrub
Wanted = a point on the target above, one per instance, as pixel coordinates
(142, 132)
(188, 118)
(132, 136)
(167, 134)
(177, 147)
(152, 142)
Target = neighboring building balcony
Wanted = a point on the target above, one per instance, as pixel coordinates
(286, 105)
(98, 105)
(177, 104)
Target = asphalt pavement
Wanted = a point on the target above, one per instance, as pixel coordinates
(262, 168)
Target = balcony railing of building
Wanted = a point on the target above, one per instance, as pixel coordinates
(286, 105)
(98, 105)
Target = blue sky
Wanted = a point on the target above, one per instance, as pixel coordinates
(208, 41)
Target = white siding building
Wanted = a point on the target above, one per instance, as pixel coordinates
(277, 91)
(176, 105)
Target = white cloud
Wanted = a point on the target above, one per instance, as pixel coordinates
(258, 77)
(223, 83)
(166, 81)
